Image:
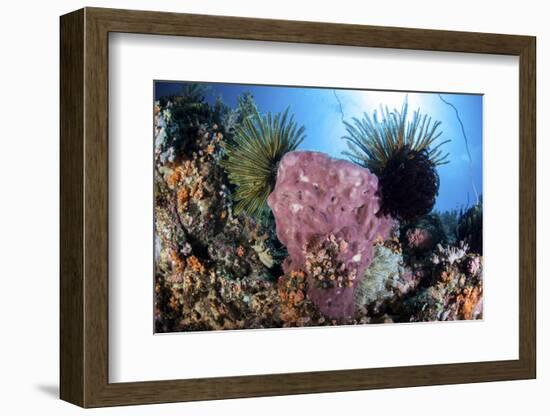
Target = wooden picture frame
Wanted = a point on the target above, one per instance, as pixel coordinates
(84, 207)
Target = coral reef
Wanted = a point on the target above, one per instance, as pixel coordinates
(252, 233)
(450, 254)
(455, 291)
(316, 196)
(213, 269)
(386, 284)
(295, 309)
(179, 118)
(324, 262)
(470, 227)
(195, 298)
(447, 224)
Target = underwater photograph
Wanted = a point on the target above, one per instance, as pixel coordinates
(286, 206)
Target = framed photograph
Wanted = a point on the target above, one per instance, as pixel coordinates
(257, 207)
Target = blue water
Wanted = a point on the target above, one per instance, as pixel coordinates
(321, 111)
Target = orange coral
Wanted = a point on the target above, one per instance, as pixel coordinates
(195, 264)
(174, 177)
(173, 303)
(447, 276)
(188, 169)
(178, 265)
(197, 190)
(291, 295)
(468, 300)
(183, 197)
(240, 251)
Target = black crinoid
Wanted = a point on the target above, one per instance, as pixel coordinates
(409, 184)
(403, 156)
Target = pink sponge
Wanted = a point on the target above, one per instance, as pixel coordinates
(315, 196)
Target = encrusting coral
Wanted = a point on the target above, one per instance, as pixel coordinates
(324, 262)
(455, 290)
(295, 309)
(202, 300)
(209, 271)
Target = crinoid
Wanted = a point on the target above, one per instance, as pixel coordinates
(253, 157)
(409, 185)
(403, 154)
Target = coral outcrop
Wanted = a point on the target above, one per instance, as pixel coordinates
(317, 197)
(295, 309)
(213, 268)
(455, 290)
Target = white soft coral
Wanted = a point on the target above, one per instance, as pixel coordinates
(450, 254)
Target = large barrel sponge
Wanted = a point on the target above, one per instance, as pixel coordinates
(316, 195)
